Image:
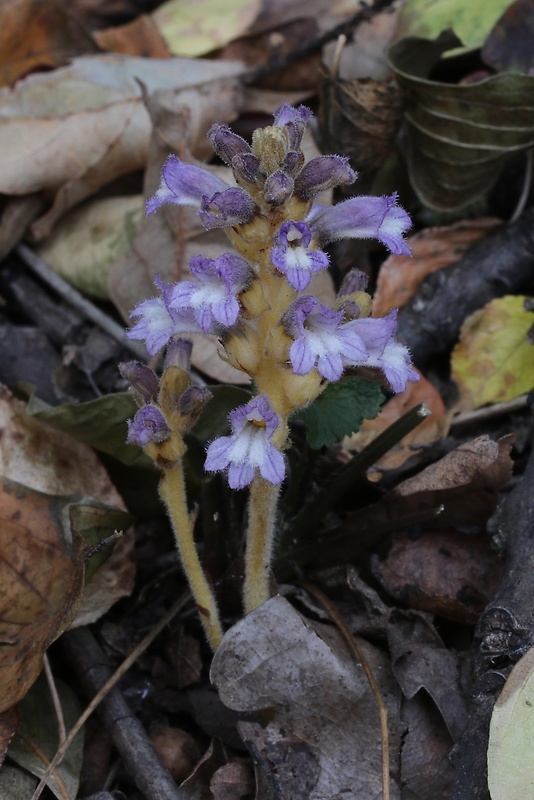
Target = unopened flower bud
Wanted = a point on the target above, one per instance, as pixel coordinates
(246, 166)
(141, 377)
(148, 425)
(193, 401)
(278, 187)
(354, 281)
(324, 172)
(226, 143)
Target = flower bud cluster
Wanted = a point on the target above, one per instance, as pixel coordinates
(256, 299)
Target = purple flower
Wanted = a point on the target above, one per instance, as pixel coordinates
(294, 120)
(384, 352)
(278, 187)
(292, 257)
(212, 297)
(248, 448)
(184, 185)
(148, 425)
(158, 323)
(321, 339)
(363, 218)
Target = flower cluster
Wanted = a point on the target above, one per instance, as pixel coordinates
(257, 300)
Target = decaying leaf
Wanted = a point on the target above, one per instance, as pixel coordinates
(40, 587)
(470, 21)
(494, 359)
(430, 429)
(432, 249)
(320, 738)
(140, 37)
(37, 738)
(510, 42)
(85, 243)
(9, 722)
(443, 572)
(510, 763)
(54, 463)
(426, 768)
(459, 136)
(194, 29)
(73, 130)
(39, 34)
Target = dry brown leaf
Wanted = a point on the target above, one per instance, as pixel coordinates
(37, 35)
(443, 572)
(321, 736)
(431, 429)
(73, 130)
(140, 37)
(40, 587)
(51, 462)
(232, 781)
(432, 248)
(9, 722)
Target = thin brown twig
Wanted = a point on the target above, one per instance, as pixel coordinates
(61, 729)
(490, 412)
(106, 688)
(347, 28)
(356, 650)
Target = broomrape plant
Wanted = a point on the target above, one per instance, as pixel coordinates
(256, 300)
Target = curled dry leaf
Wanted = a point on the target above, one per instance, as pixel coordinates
(432, 428)
(322, 737)
(54, 463)
(494, 359)
(432, 249)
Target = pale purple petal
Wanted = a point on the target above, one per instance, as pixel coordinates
(291, 255)
(363, 218)
(184, 185)
(287, 113)
(248, 448)
(158, 322)
(302, 357)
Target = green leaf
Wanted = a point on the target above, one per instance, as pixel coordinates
(340, 410)
(100, 423)
(459, 136)
(471, 21)
(37, 739)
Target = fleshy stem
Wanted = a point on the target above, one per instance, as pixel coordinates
(260, 536)
(172, 491)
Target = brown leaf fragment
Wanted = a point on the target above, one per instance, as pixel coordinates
(178, 750)
(426, 770)
(41, 583)
(9, 722)
(232, 781)
(38, 35)
(322, 737)
(443, 572)
(467, 480)
(432, 249)
(140, 37)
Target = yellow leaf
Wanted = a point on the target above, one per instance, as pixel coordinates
(194, 29)
(494, 359)
(510, 763)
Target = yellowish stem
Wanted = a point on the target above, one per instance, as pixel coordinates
(260, 535)
(173, 494)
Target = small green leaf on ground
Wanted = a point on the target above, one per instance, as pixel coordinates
(494, 359)
(510, 762)
(470, 21)
(37, 739)
(340, 410)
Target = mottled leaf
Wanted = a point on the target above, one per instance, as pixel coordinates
(494, 359)
(459, 136)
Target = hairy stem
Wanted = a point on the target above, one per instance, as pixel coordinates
(262, 517)
(174, 496)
